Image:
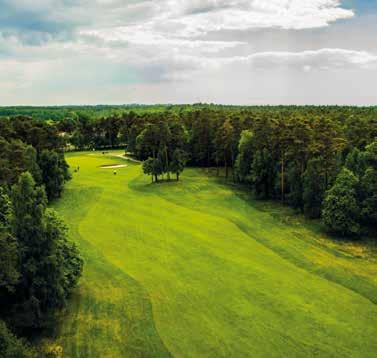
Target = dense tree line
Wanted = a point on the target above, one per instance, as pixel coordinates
(314, 167)
(38, 265)
(292, 154)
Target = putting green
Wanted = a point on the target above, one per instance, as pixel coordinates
(193, 269)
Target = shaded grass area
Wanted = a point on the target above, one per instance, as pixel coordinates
(194, 269)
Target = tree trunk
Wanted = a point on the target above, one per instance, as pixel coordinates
(282, 178)
(226, 167)
(177, 176)
(156, 178)
(233, 171)
(302, 186)
(167, 162)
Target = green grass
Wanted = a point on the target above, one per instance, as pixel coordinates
(195, 269)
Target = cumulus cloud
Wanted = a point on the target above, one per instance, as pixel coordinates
(210, 15)
(182, 17)
(143, 41)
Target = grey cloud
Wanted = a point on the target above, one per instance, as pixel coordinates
(184, 46)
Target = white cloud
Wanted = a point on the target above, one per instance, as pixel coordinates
(88, 43)
(141, 36)
(181, 66)
(193, 18)
(324, 59)
(177, 22)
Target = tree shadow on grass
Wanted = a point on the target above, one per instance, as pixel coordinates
(291, 235)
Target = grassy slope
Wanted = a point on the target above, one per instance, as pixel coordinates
(193, 269)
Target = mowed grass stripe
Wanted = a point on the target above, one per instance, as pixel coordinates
(210, 266)
(342, 263)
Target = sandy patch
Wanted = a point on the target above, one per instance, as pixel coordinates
(114, 166)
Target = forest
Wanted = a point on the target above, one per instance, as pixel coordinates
(321, 161)
(39, 266)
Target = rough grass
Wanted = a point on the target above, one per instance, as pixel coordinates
(193, 269)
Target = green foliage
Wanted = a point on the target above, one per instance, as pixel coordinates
(11, 346)
(225, 144)
(314, 188)
(62, 263)
(245, 156)
(8, 245)
(54, 170)
(369, 186)
(289, 136)
(9, 274)
(178, 162)
(355, 162)
(49, 265)
(371, 154)
(149, 166)
(38, 266)
(341, 210)
(263, 174)
(369, 202)
(162, 141)
(15, 158)
(296, 187)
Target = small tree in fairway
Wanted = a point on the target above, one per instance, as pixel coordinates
(153, 167)
(178, 162)
(148, 167)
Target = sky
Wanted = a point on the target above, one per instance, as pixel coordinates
(247, 52)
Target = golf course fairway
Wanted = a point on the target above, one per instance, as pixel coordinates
(196, 269)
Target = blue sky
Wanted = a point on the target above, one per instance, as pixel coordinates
(183, 51)
(362, 6)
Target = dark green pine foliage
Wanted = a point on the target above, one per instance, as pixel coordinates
(49, 265)
(11, 346)
(178, 162)
(263, 174)
(369, 186)
(296, 186)
(9, 274)
(54, 172)
(314, 186)
(245, 157)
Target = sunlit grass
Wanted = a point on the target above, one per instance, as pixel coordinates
(193, 269)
